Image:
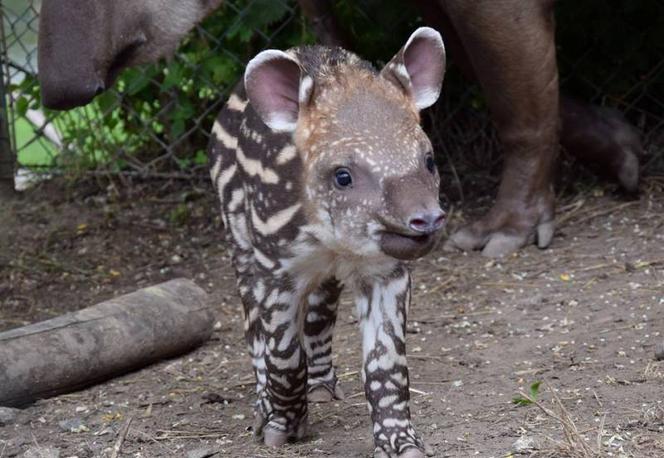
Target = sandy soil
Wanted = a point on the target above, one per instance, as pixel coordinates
(584, 317)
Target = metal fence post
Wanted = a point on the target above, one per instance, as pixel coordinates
(7, 156)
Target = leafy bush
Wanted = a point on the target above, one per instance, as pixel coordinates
(158, 117)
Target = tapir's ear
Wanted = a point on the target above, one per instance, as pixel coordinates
(418, 68)
(276, 88)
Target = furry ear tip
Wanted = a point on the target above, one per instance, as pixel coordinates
(263, 57)
(272, 83)
(427, 33)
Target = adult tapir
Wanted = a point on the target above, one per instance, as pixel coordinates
(507, 45)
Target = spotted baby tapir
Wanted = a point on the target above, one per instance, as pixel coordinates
(326, 180)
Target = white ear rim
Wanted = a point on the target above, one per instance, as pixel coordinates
(275, 122)
(425, 99)
(306, 89)
(426, 32)
(281, 124)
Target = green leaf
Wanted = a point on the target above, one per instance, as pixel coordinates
(136, 80)
(521, 401)
(201, 157)
(174, 76)
(524, 401)
(107, 102)
(534, 389)
(22, 104)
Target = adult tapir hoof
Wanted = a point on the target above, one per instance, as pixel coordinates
(513, 222)
(628, 175)
(499, 243)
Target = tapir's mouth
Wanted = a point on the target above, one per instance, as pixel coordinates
(406, 246)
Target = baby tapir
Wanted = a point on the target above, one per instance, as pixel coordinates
(326, 179)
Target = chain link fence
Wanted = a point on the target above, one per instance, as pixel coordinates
(155, 122)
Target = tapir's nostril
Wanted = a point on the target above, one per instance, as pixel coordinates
(427, 222)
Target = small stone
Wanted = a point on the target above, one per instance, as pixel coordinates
(8, 415)
(176, 259)
(74, 425)
(523, 444)
(212, 398)
(659, 352)
(42, 452)
(202, 453)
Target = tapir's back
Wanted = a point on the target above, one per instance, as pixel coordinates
(256, 172)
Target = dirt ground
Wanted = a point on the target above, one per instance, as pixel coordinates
(584, 317)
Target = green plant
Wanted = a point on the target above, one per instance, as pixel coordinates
(524, 400)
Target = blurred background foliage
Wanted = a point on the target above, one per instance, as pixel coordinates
(157, 119)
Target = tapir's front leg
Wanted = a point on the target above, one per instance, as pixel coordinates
(318, 329)
(382, 308)
(279, 360)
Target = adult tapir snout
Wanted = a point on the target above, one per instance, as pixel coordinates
(84, 44)
(70, 41)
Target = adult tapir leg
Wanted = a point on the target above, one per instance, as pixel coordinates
(510, 44)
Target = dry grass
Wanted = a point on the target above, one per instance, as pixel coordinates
(573, 444)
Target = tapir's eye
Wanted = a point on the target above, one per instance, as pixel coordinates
(430, 163)
(342, 177)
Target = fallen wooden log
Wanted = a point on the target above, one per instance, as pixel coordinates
(82, 348)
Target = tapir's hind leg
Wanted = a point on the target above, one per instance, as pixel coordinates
(603, 140)
(318, 329)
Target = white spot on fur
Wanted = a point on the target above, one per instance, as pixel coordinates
(287, 153)
(263, 260)
(223, 136)
(275, 222)
(387, 401)
(224, 178)
(254, 167)
(235, 103)
(237, 198)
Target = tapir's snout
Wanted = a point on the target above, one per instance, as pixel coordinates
(85, 44)
(68, 54)
(414, 218)
(427, 222)
(63, 94)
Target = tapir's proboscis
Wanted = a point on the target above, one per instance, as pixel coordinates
(327, 180)
(84, 44)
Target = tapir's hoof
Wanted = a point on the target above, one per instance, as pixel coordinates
(493, 245)
(274, 438)
(410, 452)
(496, 244)
(628, 174)
(323, 393)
